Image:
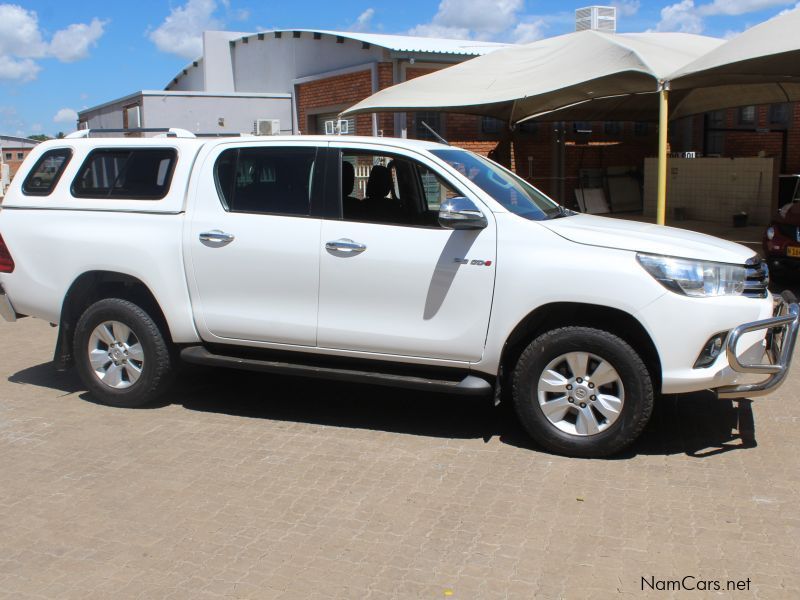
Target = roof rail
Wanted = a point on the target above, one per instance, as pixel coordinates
(166, 131)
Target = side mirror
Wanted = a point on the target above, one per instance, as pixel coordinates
(461, 213)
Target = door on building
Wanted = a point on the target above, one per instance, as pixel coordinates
(392, 280)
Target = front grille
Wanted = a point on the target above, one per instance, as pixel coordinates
(756, 278)
(789, 231)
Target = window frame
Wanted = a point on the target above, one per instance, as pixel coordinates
(317, 199)
(56, 177)
(119, 149)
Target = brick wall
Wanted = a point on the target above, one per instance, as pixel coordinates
(338, 91)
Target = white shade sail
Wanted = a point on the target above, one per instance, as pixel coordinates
(759, 66)
(522, 81)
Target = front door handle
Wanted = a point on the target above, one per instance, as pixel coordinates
(345, 245)
(216, 238)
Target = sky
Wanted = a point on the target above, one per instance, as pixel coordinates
(58, 57)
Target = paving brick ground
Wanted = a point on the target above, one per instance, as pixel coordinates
(242, 486)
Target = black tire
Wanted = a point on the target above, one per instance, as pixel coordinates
(632, 373)
(156, 366)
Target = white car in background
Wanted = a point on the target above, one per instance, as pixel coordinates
(383, 261)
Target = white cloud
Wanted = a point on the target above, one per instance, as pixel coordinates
(626, 8)
(22, 69)
(363, 21)
(74, 42)
(737, 7)
(480, 19)
(36, 127)
(682, 17)
(688, 17)
(524, 33)
(66, 115)
(22, 42)
(181, 32)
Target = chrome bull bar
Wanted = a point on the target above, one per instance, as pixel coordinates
(781, 338)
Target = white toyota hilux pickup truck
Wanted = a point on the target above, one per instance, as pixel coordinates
(382, 261)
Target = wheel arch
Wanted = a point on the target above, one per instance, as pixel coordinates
(88, 288)
(561, 314)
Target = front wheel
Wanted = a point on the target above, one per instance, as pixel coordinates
(121, 354)
(580, 391)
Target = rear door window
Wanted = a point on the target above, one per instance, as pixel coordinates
(46, 172)
(139, 174)
(267, 180)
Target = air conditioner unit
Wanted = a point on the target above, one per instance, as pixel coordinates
(267, 127)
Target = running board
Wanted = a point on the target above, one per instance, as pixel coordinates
(469, 385)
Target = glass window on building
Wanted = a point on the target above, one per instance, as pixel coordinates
(434, 121)
(491, 125)
(612, 128)
(780, 114)
(641, 128)
(715, 136)
(747, 115)
(20, 155)
(328, 124)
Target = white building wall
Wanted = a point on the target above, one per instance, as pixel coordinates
(274, 63)
(193, 80)
(203, 113)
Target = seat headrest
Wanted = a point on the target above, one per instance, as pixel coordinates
(348, 178)
(380, 182)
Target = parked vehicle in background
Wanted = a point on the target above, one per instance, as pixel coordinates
(383, 261)
(781, 240)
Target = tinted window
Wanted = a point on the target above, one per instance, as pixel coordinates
(46, 172)
(141, 174)
(266, 180)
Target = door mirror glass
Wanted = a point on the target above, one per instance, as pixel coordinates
(461, 213)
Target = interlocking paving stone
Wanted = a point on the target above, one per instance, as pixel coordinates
(247, 486)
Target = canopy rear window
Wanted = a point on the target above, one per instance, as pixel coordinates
(139, 174)
(46, 172)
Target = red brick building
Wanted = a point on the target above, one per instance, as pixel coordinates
(14, 150)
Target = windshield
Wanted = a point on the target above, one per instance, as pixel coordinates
(515, 194)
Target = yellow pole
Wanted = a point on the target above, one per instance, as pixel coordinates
(663, 123)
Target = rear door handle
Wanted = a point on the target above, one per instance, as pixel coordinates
(345, 245)
(216, 238)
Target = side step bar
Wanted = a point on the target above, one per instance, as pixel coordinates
(468, 386)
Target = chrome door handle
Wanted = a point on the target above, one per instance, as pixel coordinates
(216, 238)
(345, 245)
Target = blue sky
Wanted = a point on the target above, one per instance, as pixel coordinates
(60, 57)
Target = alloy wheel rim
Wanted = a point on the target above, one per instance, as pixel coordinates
(580, 393)
(115, 354)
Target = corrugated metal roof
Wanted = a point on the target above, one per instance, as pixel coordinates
(408, 43)
(23, 142)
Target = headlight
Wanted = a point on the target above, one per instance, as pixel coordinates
(695, 278)
(770, 232)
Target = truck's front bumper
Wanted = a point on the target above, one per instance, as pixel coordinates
(782, 330)
(6, 309)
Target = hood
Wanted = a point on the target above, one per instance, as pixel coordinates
(646, 237)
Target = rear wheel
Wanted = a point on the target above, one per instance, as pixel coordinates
(580, 391)
(121, 354)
